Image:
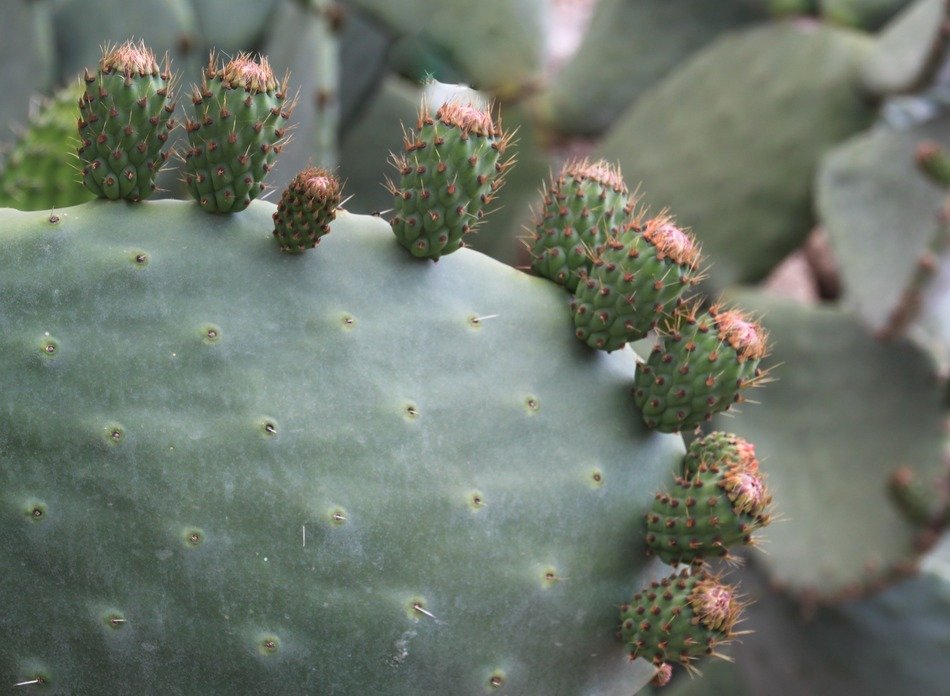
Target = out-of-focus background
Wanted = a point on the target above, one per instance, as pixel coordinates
(806, 143)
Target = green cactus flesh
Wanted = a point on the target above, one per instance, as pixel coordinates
(718, 446)
(579, 210)
(452, 167)
(702, 368)
(226, 469)
(241, 115)
(635, 283)
(38, 173)
(125, 117)
(680, 618)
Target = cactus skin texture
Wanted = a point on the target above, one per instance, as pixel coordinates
(720, 503)
(125, 118)
(702, 367)
(581, 208)
(637, 281)
(453, 166)
(241, 118)
(680, 618)
(39, 173)
(306, 209)
(719, 447)
(322, 473)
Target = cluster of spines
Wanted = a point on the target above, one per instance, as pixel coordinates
(639, 278)
(680, 618)
(125, 119)
(449, 174)
(718, 500)
(307, 207)
(701, 367)
(240, 126)
(583, 206)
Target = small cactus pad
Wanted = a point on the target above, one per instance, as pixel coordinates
(706, 361)
(306, 209)
(719, 447)
(581, 208)
(451, 170)
(680, 618)
(241, 114)
(637, 280)
(125, 117)
(718, 506)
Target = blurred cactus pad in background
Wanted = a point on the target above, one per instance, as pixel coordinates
(525, 347)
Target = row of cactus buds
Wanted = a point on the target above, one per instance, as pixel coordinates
(451, 169)
(125, 118)
(126, 115)
(718, 500)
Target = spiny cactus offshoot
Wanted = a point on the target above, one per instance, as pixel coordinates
(681, 618)
(125, 117)
(581, 208)
(637, 281)
(719, 503)
(240, 126)
(452, 168)
(307, 207)
(701, 368)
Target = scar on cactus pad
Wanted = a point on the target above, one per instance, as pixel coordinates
(240, 126)
(307, 207)
(450, 172)
(580, 208)
(638, 279)
(125, 117)
(701, 367)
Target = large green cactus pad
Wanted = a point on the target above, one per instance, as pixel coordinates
(226, 469)
(730, 141)
(882, 213)
(844, 413)
(628, 47)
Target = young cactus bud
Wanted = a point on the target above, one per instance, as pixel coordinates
(934, 162)
(451, 170)
(306, 209)
(125, 117)
(719, 447)
(720, 505)
(638, 279)
(707, 361)
(680, 618)
(241, 114)
(581, 208)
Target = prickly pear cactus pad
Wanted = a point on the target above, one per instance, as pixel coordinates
(125, 117)
(227, 469)
(241, 118)
(450, 173)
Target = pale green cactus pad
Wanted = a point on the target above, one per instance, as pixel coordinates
(229, 469)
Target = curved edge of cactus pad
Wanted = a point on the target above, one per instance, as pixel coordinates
(226, 468)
